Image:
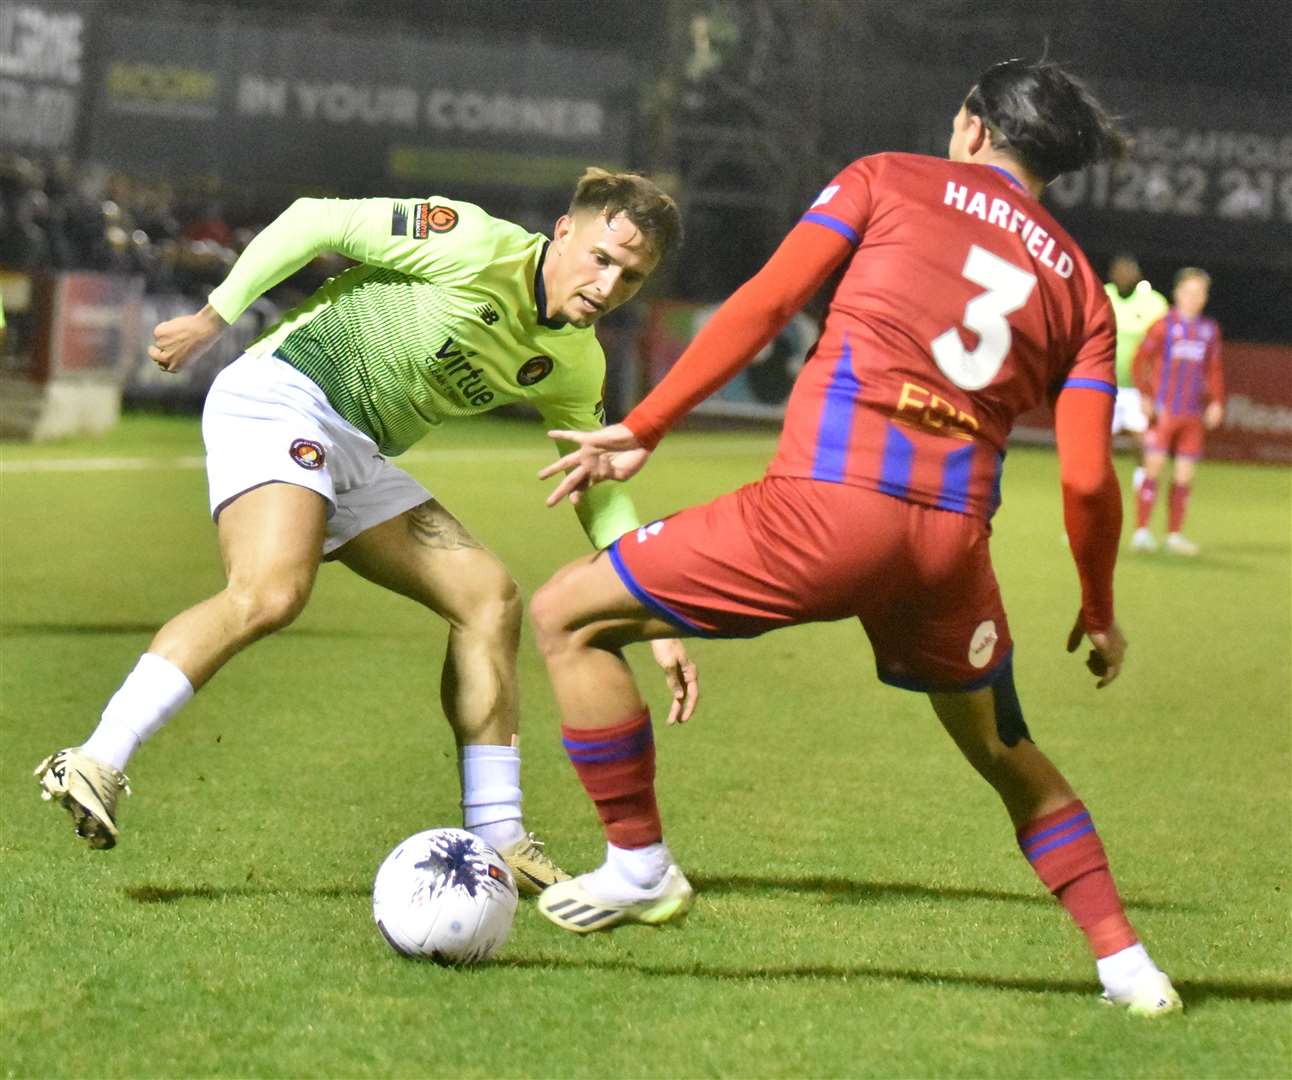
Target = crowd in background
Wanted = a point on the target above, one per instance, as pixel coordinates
(57, 216)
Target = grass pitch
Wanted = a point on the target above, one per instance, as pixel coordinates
(862, 909)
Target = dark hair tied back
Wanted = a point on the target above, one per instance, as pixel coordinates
(1045, 117)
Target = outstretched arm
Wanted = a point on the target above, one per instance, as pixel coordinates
(741, 327)
(305, 229)
(1092, 512)
(754, 314)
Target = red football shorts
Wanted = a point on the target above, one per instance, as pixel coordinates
(1180, 436)
(786, 551)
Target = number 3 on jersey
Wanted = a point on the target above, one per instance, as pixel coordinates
(1008, 288)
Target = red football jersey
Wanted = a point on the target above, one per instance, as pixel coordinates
(1178, 364)
(963, 306)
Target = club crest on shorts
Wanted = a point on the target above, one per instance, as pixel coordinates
(535, 369)
(429, 219)
(307, 454)
(983, 643)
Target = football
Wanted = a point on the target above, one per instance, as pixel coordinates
(444, 895)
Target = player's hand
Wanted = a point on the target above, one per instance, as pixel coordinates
(1212, 415)
(612, 453)
(1109, 652)
(177, 342)
(683, 682)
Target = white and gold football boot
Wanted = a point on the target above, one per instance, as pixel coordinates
(583, 904)
(87, 789)
(530, 865)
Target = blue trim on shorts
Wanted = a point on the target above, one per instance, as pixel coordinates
(910, 682)
(645, 599)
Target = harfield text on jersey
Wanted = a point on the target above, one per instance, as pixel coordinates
(1000, 212)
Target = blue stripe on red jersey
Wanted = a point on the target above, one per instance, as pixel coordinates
(957, 468)
(1195, 385)
(841, 227)
(1167, 361)
(1180, 372)
(895, 468)
(834, 434)
(995, 484)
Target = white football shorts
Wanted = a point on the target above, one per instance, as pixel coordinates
(1128, 414)
(266, 422)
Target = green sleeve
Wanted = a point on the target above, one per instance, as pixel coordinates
(606, 510)
(399, 234)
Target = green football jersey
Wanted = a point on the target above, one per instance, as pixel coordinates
(444, 317)
(1134, 315)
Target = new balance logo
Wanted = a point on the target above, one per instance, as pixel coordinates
(487, 314)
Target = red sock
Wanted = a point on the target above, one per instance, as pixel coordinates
(1144, 500)
(1179, 501)
(1066, 854)
(617, 767)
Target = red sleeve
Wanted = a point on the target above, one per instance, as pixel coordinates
(760, 309)
(1095, 365)
(1092, 501)
(1215, 373)
(1146, 368)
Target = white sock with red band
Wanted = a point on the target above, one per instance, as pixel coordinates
(152, 693)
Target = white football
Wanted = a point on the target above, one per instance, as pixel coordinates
(445, 895)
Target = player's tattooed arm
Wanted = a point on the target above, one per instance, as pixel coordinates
(435, 527)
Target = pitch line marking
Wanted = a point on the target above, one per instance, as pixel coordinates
(413, 457)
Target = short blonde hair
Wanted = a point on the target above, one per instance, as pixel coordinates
(637, 197)
(1188, 272)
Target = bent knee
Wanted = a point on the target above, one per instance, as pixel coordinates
(491, 606)
(549, 616)
(264, 608)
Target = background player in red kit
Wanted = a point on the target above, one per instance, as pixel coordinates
(1182, 388)
(962, 304)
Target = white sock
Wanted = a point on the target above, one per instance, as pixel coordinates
(491, 793)
(628, 873)
(1137, 478)
(1120, 972)
(152, 693)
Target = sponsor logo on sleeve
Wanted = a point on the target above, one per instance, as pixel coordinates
(535, 369)
(307, 454)
(399, 220)
(429, 219)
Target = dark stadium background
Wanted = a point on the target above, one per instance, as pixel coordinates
(744, 107)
